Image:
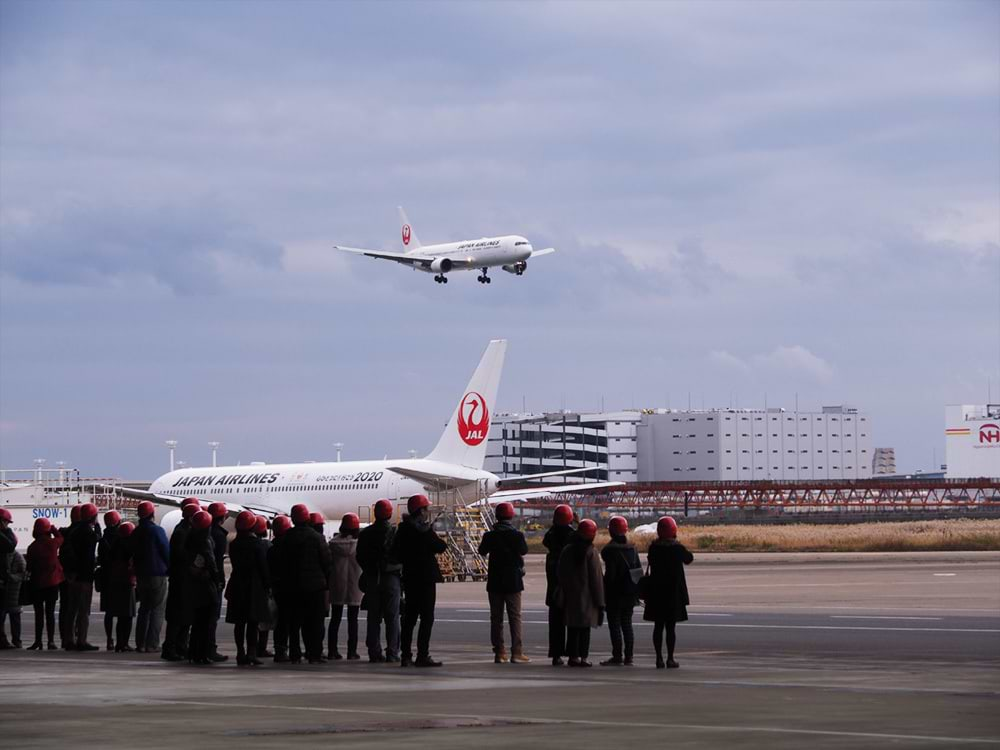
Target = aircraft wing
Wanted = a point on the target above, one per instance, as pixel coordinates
(533, 492)
(404, 258)
(543, 251)
(174, 501)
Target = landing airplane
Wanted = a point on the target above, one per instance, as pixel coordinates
(511, 252)
(337, 488)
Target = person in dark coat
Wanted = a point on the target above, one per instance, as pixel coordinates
(175, 640)
(10, 608)
(247, 591)
(83, 553)
(119, 596)
(620, 591)
(67, 605)
(306, 563)
(555, 541)
(201, 590)
(380, 574)
(220, 540)
(265, 626)
(506, 548)
(666, 604)
(152, 562)
(581, 591)
(109, 539)
(281, 588)
(417, 546)
(45, 576)
(8, 546)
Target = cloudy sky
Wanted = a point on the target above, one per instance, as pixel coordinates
(750, 200)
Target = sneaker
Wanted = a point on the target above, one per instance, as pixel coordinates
(353, 657)
(557, 661)
(391, 659)
(519, 659)
(426, 661)
(499, 657)
(404, 661)
(171, 656)
(217, 657)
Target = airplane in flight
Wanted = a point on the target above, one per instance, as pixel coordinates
(510, 252)
(337, 488)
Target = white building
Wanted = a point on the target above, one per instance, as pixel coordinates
(972, 440)
(657, 445)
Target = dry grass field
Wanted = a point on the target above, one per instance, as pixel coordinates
(908, 536)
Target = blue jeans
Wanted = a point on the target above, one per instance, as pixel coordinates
(382, 599)
(152, 595)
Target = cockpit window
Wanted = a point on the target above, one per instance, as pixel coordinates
(516, 244)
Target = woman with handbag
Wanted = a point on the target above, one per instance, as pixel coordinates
(622, 571)
(666, 591)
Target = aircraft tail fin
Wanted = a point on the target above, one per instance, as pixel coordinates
(465, 438)
(408, 236)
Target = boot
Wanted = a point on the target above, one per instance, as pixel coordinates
(518, 657)
(36, 646)
(500, 655)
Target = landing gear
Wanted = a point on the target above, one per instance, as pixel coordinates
(441, 279)
(484, 279)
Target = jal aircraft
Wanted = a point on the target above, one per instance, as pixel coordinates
(337, 488)
(510, 252)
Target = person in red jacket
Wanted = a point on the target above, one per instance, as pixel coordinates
(46, 575)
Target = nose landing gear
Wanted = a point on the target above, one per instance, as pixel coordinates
(484, 279)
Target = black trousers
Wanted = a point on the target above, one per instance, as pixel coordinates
(67, 614)
(420, 601)
(578, 643)
(336, 615)
(202, 630)
(557, 632)
(45, 612)
(620, 627)
(281, 629)
(308, 611)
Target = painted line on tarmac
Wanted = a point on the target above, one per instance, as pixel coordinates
(756, 626)
(592, 722)
(881, 617)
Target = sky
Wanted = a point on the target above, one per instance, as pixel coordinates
(752, 203)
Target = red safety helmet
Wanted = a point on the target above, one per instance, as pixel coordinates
(6, 516)
(189, 501)
(190, 509)
(617, 526)
(666, 528)
(350, 522)
(218, 510)
(383, 510)
(300, 514)
(88, 512)
(112, 518)
(316, 518)
(417, 503)
(505, 512)
(245, 521)
(587, 529)
(261, 526)
(562, 516)
(201, 520)
(42, 527)
(280, 525)
(126, 529)
(74, 513)
(146, 509)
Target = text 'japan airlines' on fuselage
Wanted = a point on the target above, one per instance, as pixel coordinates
(509, 252)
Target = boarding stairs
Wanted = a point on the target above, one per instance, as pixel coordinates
(464, 526)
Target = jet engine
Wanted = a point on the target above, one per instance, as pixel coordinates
(517, 268)
(441, 265)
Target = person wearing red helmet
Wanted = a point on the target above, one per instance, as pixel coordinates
(417, 546)
(79, 564)
(306, 569)
(260, 527)
(264, 627)
(8, 546)
(581, 586)
(108, 541)
(175, 640)
(118, 592)
(276, 564)
(46, 575)
(12, 571)
(220, 542)
(201, 590)
(506, 547)
(555, 541)
(318, 522)
(667, 600)
(345, 590)
(381, 575)
(247, 592)
(622, 571)
(152, 564)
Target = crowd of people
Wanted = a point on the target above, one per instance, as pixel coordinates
(287, 586)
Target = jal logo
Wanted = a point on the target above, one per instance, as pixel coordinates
(473, 419)
(406, 234)
(989, 433)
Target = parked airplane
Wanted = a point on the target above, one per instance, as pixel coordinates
(336, 488)
(511, 252)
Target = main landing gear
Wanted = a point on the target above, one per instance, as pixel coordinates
(441, 279)
(484, 279)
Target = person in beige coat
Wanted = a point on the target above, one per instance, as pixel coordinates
(581, 591)
(345, 587)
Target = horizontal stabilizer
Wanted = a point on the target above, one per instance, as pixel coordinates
(533, 493)
(563, 472)
(543, 251)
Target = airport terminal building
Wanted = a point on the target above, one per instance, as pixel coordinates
(972, 440)
(663, 445)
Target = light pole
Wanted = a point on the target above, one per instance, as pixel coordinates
(214, 445)
(62, 472)
(39, 463)
(413, 453)
(171, 444)
(339, 447)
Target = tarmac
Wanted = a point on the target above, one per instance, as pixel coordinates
(781, 651)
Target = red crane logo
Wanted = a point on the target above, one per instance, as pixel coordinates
(473, 419)
(406, 234)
